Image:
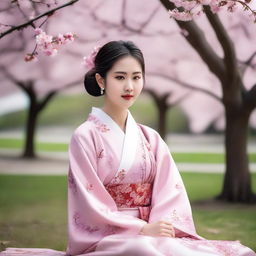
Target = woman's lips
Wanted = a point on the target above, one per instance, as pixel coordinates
(127, 97)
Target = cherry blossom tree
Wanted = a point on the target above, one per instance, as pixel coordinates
(25, 77)
(238, 101)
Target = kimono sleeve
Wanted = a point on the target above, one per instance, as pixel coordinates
(92, 213)
(169, 198)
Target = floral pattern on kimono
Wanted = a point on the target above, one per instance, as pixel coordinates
(130, 195)
(99, 125)
(225, 248)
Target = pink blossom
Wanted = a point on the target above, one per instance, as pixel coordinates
(215, 7)
(205, 2)
(50, 52)
(193, 8)
(43, 39)
(30, 58)
(60, 39)
(188, 5)
(184, 32)
(48, 44)
(38, 31)
(232, 6)
(183, 16)
(69, 37)
(88, 61)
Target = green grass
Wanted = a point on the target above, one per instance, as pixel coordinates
(220, 221)
(205, 157)
(9, 143)
(33, 211)
(72, 110)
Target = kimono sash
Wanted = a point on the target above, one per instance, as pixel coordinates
(132, 195)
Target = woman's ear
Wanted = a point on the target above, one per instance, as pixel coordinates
(100, 80)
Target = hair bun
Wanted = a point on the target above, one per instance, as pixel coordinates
(90, 83)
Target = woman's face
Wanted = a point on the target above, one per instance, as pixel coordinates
(125, 78)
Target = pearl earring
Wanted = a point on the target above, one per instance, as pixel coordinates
(101, 91)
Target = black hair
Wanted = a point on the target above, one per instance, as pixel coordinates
(106, 58)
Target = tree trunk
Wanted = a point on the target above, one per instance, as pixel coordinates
(29, 150)
(161, 102)
(162, 118)
(237, 181)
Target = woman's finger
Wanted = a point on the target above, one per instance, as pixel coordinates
(167, 226)
(168, 231)
(167, 234)
(166, 223)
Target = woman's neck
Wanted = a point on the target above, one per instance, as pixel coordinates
(118, 115)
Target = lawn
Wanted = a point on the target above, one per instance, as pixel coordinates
(33, 211)
(10, 143)
(72, 110)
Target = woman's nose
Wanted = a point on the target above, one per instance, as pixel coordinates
(129, 85)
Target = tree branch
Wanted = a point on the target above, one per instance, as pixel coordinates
(46, 99)
(245, 5)
(249, 61)
(143, 24)
(245, 64)
(19, 83)
(160, 100)
(198, 41)
(124, 27)
(53, 93)
(30, 22)
(186, 85)
(226, 44)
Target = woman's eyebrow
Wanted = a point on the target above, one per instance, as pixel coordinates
(122, 72)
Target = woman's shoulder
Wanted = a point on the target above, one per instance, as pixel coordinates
(84, 130)
(150, 133)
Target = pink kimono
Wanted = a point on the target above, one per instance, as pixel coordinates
(120, 181)
(117, 183)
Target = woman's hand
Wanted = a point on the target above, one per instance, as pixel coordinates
(160, 228)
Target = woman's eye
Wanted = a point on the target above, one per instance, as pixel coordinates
(119, 77)
(137, 77)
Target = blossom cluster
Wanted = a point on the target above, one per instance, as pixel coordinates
(192, 9)
(88, 61)
(48, 44)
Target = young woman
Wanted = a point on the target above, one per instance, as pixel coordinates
(125, 194)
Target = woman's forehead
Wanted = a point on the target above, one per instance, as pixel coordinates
(127, 64)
